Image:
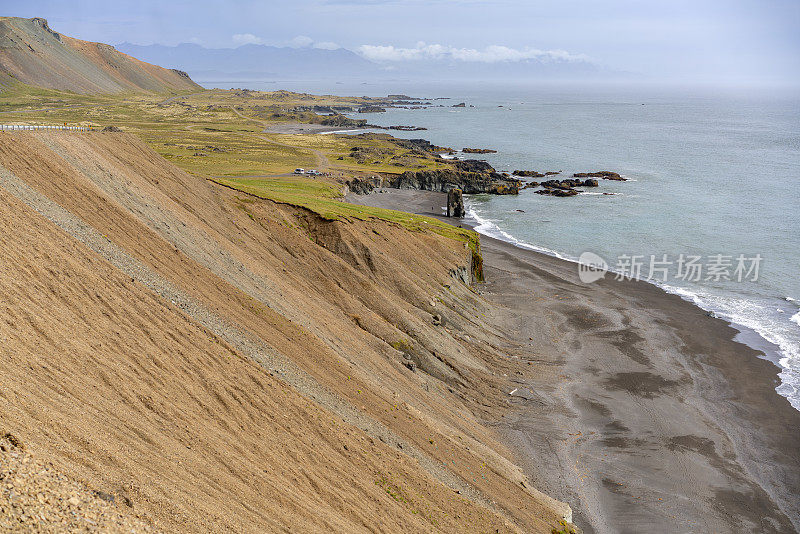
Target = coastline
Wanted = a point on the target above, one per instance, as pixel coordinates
(658, 419)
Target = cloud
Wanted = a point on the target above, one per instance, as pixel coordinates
(327, 45)
(301, 41)
(489, 54)
(246, 38)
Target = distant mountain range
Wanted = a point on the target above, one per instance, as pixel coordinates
(32, 53)
(263, 63)
(254, 61)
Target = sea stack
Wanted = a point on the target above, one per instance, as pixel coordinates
(455, 203)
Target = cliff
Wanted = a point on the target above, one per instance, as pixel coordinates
(215, 361)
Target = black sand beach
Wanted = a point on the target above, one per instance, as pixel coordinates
(642, 412)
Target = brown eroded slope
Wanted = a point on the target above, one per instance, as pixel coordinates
(121, 388)
(36, 55)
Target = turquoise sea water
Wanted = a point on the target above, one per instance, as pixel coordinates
(710, 173)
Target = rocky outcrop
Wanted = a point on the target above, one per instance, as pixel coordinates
(605, 175)
(460, 105)
(455, 203)
(473, 165)
(478, 151)
(340, 120)
(360, 186)
(529, 174)
(569, 184)
(371, 109)
(557, 192)
(446, 179)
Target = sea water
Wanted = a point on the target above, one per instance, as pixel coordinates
(713, 174)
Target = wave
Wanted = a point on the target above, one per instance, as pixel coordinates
(488, 228)
(747, 314)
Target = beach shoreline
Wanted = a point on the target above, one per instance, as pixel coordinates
(633, 405)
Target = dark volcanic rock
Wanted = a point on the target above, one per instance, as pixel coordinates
(529, 174)
(552, 173)
(339, 120)
(460, 105)
(371, 109)
(359, 186)
(446, 179)
(531, 184)
(455, 203)
(570, 183)
(605, 175)
(478, 151)
(557, 192)
(473, 165)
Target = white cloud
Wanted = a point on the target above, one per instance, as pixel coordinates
(489, 54)
(301, 41)
(247, 38)
(327, 45)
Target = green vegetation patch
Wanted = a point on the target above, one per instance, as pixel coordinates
(324, 199)
(212, 133)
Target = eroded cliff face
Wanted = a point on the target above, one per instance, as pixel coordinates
(226, 362)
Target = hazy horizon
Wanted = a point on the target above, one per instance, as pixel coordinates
(715, 42)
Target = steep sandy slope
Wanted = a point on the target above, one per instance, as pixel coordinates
(36, 55)
(130, 392)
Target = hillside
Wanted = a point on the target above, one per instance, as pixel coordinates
(213, 361)
(36, 55)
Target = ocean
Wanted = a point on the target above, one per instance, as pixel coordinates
(710, 208)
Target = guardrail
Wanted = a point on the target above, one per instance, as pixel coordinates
(32, 128)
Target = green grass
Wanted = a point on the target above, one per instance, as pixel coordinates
(202, 134)
(324, 198)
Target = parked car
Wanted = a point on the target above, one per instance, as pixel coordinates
(313, 172)
(299, 171)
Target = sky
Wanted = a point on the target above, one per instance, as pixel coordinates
(727, 41)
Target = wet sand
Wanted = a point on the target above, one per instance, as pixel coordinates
(639, 410)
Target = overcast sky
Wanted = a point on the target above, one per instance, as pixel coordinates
(678, 40)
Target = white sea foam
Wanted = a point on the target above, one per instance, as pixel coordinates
(489, 228)
(760, 318)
